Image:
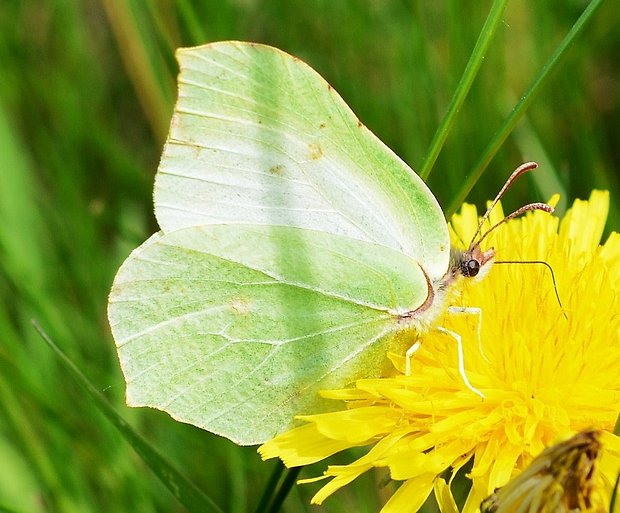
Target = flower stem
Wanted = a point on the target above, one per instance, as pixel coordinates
(287, 484)
(270, 488)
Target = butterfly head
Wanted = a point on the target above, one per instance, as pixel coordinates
(474, 262)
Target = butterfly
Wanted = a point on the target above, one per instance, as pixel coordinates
(295, 250)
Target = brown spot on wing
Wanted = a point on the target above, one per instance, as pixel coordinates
(239, 305)
(316, 152)
(277, 170)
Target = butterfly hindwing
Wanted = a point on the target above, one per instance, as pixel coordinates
(235, 328)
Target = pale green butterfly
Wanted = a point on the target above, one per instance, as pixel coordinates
(295, 250)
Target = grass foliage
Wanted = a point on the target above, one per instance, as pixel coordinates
(86, 93)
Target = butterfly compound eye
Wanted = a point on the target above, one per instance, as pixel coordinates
(471, 268)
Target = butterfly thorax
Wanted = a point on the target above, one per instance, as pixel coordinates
(470, 263)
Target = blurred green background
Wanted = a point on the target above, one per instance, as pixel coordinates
(86, 92)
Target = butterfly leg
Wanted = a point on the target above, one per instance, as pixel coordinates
(409, 355)
(459, 346)
(472, 310)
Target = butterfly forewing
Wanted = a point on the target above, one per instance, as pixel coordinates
(258, 136)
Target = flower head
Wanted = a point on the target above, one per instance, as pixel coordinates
(547, 369)
(561, 479)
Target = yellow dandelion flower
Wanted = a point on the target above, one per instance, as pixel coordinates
(544, 375)
(562, 479)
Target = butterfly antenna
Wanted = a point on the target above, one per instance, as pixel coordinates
(523, 168)
(548, 266)
(525, 208)
(478, 238)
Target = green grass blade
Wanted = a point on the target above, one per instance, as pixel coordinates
(548, 181)
(521, 107)
(489, 28)
(134, 49)
(21, 227)
(185, 491)
(15, 418)
(195, 29)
